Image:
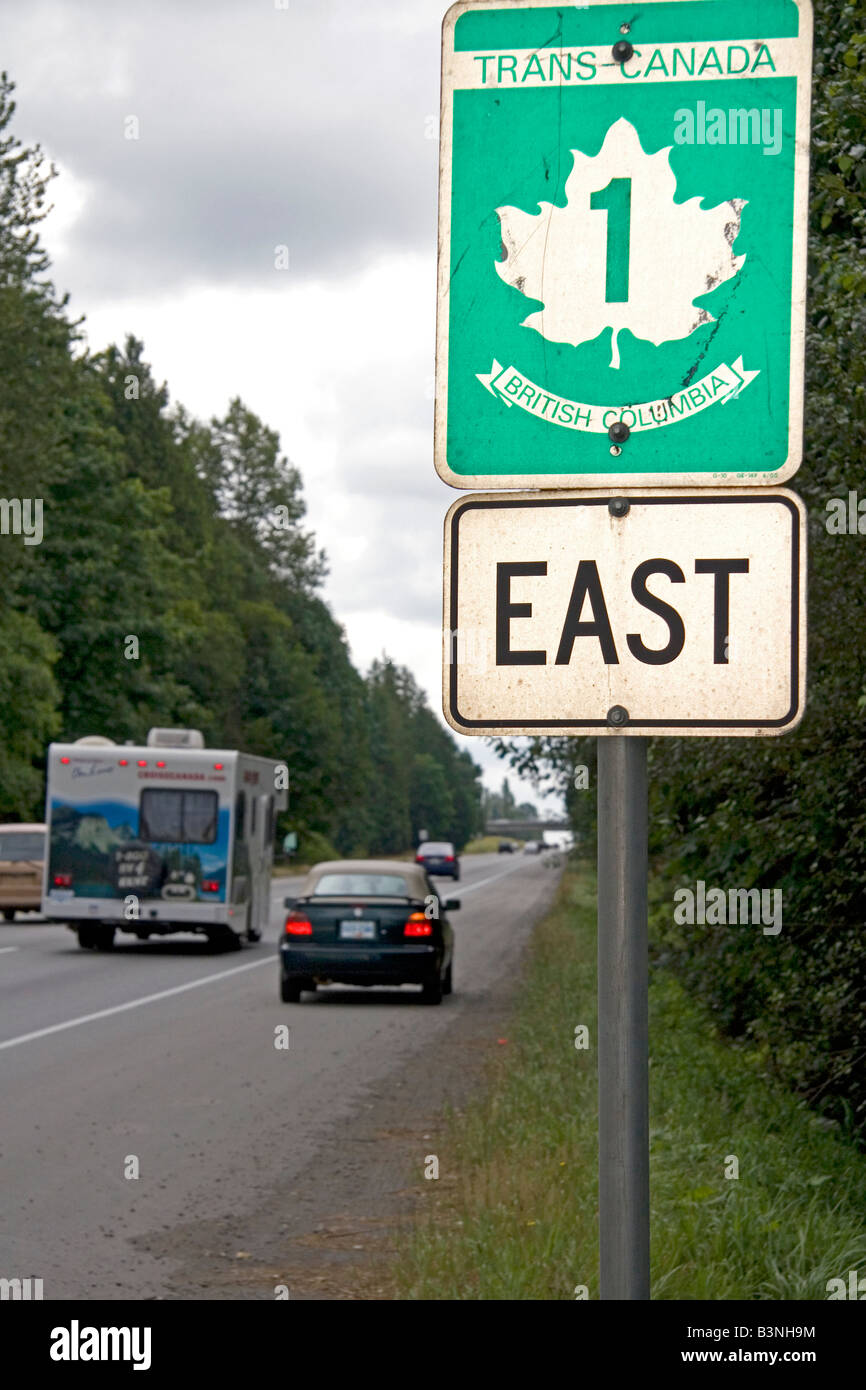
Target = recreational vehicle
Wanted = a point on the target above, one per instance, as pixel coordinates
(169, 837)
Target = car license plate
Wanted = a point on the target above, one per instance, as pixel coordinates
(357, 930)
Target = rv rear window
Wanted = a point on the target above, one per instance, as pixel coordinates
(178, 817)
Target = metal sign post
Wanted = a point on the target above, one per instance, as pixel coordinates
(623, 1026)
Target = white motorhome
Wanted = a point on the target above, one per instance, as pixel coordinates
(169, 837)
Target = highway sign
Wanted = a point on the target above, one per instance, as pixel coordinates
(623, 212)
(659, 612)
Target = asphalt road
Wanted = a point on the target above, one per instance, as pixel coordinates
(164, 1051)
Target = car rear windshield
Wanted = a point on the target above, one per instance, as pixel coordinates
(436, 849)
(22, 844)
(361, 886)
(179, 818)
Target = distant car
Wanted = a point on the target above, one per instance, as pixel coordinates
(22, 856)
(505, 847)
(532, 847)
(439, 858)
(367, 922)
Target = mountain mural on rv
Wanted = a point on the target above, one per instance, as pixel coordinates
(96, 853)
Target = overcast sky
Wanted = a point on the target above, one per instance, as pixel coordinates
(312, 126)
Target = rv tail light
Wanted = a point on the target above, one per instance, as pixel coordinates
(296, 925)
(62, 880)
(218, 767)
(418, 925)
(160, 764)
(142, 762)
(64, 760)
(210, 885)
(123, 762)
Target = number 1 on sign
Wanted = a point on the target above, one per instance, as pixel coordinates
(615, 200)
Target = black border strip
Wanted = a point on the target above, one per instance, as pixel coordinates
(488, 726)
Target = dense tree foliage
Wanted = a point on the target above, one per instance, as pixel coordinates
(175, 582)
(502, 805)
(790, 813)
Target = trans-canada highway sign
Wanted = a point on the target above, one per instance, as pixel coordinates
(656, 612)
(622, 243)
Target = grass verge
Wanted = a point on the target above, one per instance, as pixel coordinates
(486, 844)
(513, 1214)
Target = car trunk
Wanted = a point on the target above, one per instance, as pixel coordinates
(336, 920)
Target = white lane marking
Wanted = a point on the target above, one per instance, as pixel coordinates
(4, 949)
(136, 1003)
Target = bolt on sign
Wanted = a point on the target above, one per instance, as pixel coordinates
(659, 612)
(622, 265)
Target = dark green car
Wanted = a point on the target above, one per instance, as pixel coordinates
(367, 922)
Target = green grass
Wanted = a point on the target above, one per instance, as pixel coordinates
(513, 1214)
(486, 844)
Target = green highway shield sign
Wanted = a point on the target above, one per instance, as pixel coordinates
(622, 262)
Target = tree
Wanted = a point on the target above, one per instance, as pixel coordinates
(28, 708)
(259, 491)
(502, 805)
(175, 581)
(431, 805)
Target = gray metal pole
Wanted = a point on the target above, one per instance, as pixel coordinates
(623, 1026)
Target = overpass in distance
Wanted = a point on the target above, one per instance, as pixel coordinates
(524, 829)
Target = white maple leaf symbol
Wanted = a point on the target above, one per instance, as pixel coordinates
(621, 253)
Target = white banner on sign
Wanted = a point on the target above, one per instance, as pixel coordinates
(719, 386)
(593, 66)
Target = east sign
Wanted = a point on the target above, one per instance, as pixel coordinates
(623, 212)
(660, 612)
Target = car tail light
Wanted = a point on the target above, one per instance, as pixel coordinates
(419, 859)
(449, 859)
(62, 880)
(418, 925)
(210, 885)
(296, 925)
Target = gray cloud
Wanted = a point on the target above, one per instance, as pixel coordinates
(258, 127)
(308, 126)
